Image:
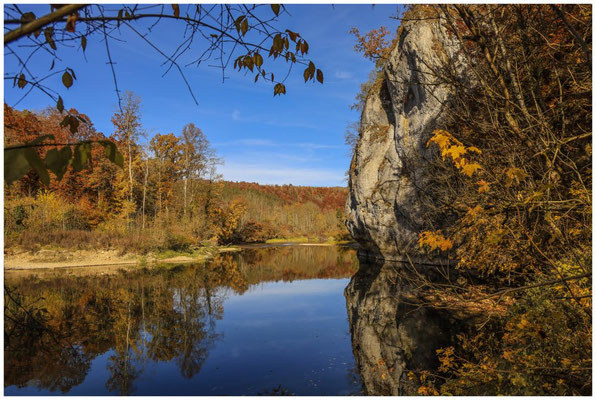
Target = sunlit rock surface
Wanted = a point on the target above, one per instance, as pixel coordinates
(388, 182)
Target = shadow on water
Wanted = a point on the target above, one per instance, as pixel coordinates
(60, 326)
(394, 328)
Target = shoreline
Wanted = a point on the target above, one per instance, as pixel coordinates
(54, 259)
(98, 258)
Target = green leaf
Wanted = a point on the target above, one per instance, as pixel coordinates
(67, 79)
(57, 161)
(275, 8)
(84, 42)
(176, 9)
(112, 152)
(71, 122)
(22, 82)
(38, 165)
(320, 75)
(15, 165)
(82, 155)
(40, 139)
(60, 105)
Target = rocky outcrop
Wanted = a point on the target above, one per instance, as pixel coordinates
(389, 180)
(393, 329)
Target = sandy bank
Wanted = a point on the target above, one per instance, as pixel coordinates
(62, 258)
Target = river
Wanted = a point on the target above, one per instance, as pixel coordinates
(275, 320)
(262, 321)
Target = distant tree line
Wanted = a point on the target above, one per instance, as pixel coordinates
(167, 194)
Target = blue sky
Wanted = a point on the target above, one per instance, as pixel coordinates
(296, 138)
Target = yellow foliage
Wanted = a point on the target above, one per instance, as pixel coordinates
(454, 149)
(469, 169)
(434, 240)
(483, 186)
(514, 174)
(427, 391)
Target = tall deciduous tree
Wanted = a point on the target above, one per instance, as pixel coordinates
(197, 155)
(127, 124)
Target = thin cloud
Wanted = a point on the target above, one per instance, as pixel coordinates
(247, 142)
(268, 143)
(275, 175)
(343, 75)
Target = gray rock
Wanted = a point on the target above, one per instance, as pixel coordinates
(389, 175)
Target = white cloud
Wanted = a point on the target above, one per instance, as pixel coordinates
(343, 75)
(236, 115)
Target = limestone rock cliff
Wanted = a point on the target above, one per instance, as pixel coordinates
(389, 178)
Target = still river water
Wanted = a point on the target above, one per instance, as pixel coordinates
(262, 321)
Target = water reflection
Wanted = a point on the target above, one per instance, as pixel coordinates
(394, 328)
(120, 332)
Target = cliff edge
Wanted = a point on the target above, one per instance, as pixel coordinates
(389, 180)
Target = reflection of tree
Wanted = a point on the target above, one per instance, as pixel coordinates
(32, 348)
(143, 315)
(96, 314)
(122, 374)
(121, 365)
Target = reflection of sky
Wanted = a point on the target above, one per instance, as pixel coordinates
(258, 293)
(293, 334)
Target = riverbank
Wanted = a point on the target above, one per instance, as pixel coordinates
(65, 258)
(55, 258)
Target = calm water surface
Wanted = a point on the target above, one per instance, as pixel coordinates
(265, 321)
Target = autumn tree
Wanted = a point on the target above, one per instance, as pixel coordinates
(513, 162)
(196, 159)
(168, 153)
(127, 129)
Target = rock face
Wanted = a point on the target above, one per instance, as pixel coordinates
(389, 178)
(391, 334)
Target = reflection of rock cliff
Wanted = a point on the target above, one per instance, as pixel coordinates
(391, 333)
(389, 180)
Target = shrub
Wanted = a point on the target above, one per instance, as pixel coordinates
(177, 242)
(255, 232)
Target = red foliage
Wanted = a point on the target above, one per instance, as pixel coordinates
(327, 198)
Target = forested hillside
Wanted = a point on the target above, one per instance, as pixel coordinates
(168, 194)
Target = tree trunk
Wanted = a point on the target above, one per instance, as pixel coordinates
(145, 188)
